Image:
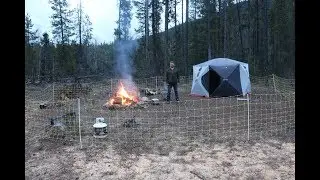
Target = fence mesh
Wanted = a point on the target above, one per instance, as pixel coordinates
(67, 112)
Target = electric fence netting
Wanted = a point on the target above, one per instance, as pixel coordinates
(67, 112)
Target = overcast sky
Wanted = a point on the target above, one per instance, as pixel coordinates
(103, 15)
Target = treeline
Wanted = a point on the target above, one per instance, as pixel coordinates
(70, 52)
(260, 32)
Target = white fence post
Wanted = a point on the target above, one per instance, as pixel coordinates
(79, 123)
(248, 104)
(274, 83)
(111, 84)
(53, 91)
(156, 82)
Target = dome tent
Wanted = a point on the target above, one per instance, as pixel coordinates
(221, 77)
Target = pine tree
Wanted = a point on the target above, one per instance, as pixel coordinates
(30, 34)
(46, 57)
(63, 29)
(186, 41)
(166, 44)
(32, 60)
(156, 10)
(282, 37)
(143, 61)
(258, 32)
(124, 21)
(83, 36)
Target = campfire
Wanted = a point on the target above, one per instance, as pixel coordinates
(123, 98)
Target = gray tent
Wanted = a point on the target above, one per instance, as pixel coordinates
(221, 77)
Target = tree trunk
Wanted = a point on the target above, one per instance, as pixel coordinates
(147, 32)
(267, 37)
(154, 39)
(257, 56)
(251, 38)
(219, 39)
(39, 65)
(240, 30)
(187, 38)
(119, 20)
(182, 34)
(225, 29)
(53, 64)
(208, 29)
(78, 65)
(195, 10)
(61, 25)
(175, 15)
(166, 36)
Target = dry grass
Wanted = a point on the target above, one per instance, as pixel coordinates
(263, 160)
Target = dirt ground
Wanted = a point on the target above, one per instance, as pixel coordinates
(270, 159)
(171, 146)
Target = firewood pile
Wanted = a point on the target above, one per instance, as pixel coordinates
(117, 104)
(143, 103)
(149, 92)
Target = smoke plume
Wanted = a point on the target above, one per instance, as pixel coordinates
(123, 53)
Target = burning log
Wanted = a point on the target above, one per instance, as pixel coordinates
(122, 99)
(117, 100)
(114, 106)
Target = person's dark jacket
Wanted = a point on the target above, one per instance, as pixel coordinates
(172, 76)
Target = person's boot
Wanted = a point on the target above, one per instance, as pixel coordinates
(167, 100)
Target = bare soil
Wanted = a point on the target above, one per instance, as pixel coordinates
(271, 159)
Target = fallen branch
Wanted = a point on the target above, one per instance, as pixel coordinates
(50, 105)
(200, 176)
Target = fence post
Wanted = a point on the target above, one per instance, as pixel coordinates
(156, 83)
(79, 123)
(274, 83)
(111, 84)
(248, 104)
(53, 91)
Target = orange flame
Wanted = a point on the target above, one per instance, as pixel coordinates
(126, 98)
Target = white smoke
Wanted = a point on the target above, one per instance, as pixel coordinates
(123, 53)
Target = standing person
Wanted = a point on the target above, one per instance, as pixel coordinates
(172, 80)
